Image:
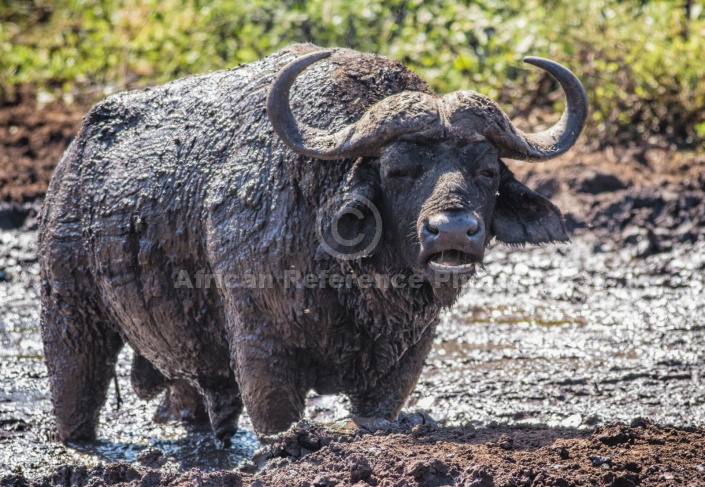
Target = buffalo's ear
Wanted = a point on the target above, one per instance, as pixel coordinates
(522, 216)
(352, 223)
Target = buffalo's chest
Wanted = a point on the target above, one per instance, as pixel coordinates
(356, 360)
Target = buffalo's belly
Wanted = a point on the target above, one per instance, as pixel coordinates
(177, 326)
(171, 335)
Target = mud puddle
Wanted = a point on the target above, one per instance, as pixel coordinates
(570, 336)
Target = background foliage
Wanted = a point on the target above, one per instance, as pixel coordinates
(642, 62)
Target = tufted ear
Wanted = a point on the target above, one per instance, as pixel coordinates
(352, 225)
(522, 216)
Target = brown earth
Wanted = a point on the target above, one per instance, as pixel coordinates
(641, 454)
(32, 139)
(649, 197)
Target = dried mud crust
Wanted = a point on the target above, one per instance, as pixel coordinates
(650, 197)
(641, 454)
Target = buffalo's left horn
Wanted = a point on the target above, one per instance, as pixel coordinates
(557, 139)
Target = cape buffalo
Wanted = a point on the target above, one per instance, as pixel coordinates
(288, 225)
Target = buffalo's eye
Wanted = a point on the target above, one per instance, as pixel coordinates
(411, 171)
(488, 175)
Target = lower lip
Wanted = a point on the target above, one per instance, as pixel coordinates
(453, 269)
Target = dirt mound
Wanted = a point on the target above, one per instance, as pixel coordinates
(641, 454)
(653, 217)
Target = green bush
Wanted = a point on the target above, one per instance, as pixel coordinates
(641, 62)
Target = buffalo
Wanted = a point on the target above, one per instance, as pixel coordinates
(289, 225)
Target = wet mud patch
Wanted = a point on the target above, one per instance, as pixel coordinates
(546, 345)
(570, 336)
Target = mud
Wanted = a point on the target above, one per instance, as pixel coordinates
(640, 454)
(546, 350)
(569, 337)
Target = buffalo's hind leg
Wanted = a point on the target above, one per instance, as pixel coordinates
(182, 402)
(80, 353)
(224, 405)
(212, 401)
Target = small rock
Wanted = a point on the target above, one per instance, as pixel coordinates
(506, 442)
(428, 470)
(324, 481)
(639, 423)
(418, 418)
(248, 466)
(598, 461)
(612, 438)
(151, 458)
(359, 469)
(120, 472)
(480, 476)
(373, 424)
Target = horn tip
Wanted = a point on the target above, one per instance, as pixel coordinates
(319, 54)
(537, 61)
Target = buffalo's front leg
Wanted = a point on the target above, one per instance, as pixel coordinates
(270, 382)
(388, 396)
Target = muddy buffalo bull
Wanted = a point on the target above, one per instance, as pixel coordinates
(203, 222)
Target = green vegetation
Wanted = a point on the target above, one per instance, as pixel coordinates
(642, 62)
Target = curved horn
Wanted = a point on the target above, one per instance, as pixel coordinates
(393, 116)
(557, 139)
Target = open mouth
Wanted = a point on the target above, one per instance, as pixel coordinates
(452, 260)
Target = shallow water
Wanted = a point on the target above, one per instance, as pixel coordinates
(571, 335)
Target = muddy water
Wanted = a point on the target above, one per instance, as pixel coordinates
(571, 335)
(574, 336)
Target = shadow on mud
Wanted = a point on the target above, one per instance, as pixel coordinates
(197, 448)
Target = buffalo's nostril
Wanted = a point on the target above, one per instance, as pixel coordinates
(473, 226)
(432, 229)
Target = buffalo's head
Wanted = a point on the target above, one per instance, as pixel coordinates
(432, 166)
